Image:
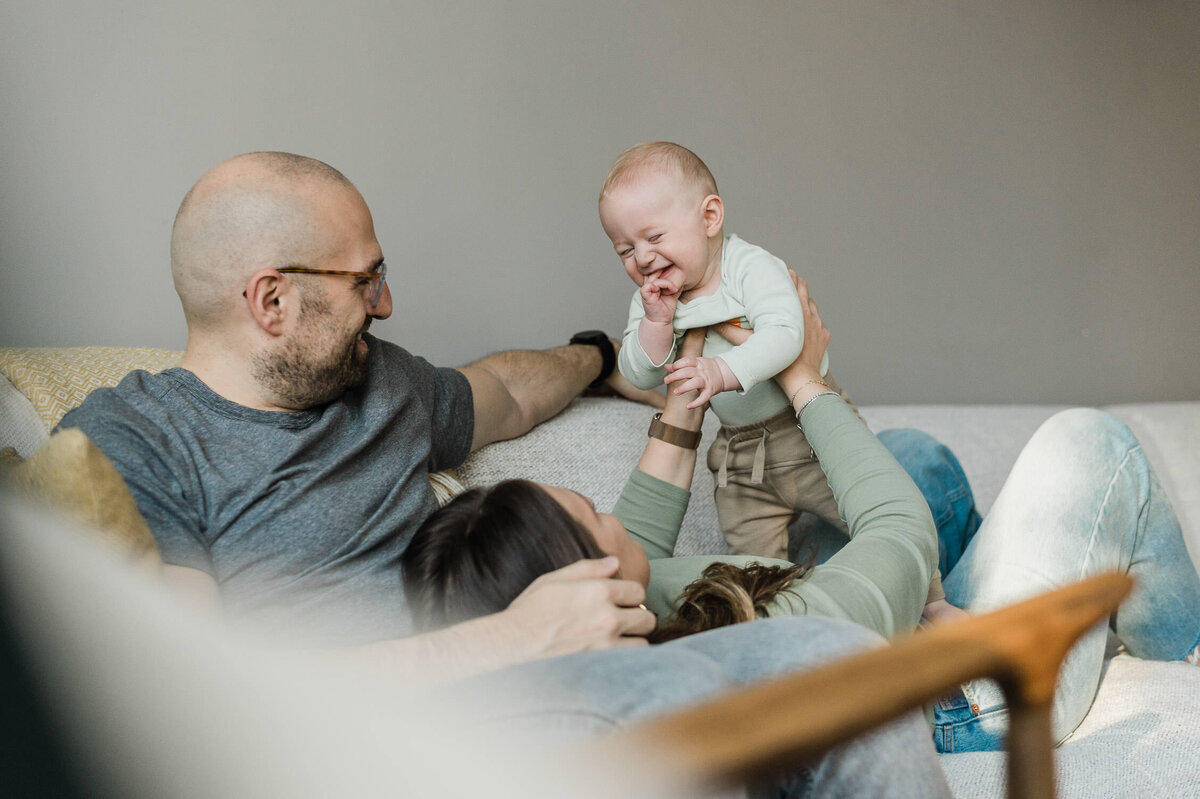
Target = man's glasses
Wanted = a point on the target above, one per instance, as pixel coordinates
(374, 287)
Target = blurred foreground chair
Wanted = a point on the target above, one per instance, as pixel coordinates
(778, 725)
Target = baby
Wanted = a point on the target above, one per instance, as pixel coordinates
(660, 207)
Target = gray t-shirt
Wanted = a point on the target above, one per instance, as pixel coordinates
(300, 517)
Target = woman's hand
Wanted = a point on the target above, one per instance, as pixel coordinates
(802, 379)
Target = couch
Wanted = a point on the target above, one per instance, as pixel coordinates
(1141, 736)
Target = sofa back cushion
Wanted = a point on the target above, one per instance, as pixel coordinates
(56, 379)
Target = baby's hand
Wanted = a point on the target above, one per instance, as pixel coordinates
(658, 300)
(709, 375)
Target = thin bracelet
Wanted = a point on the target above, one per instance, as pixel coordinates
(808, 402)
(792, 399)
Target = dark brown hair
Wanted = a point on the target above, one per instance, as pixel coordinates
(477, 554)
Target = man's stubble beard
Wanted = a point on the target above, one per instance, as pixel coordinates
(297, 377)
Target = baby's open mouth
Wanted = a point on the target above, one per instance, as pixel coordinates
(668, 273)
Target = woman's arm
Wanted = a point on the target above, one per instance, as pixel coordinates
(668, 462)
(656, 496)
(881, 578)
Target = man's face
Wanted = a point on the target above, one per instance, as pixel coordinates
(324, 353)
(658, 230)
(319, 365)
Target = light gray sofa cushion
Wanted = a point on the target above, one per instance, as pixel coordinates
(592, 445)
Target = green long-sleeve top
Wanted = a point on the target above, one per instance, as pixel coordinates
(880, 579)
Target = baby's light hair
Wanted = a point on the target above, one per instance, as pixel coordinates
(662, 157)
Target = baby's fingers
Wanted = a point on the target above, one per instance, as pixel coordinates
(684, 373)
(705, 395)
(683, 363)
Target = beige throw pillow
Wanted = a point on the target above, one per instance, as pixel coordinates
(71, 475)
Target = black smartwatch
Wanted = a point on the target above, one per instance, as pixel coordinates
(600, 340)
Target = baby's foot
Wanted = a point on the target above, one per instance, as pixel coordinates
(1194, 657)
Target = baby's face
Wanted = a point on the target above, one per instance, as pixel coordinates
(657, 229)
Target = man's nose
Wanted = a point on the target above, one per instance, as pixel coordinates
(383, 309)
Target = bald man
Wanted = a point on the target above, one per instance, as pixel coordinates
(284, 467)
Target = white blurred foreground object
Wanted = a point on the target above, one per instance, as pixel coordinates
(149, 699)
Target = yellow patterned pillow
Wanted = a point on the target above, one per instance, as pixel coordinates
(56, 379)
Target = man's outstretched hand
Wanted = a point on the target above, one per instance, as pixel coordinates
(582, 607)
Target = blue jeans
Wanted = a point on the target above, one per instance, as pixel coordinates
(942, 482)
(546, 705)
(1080, 500)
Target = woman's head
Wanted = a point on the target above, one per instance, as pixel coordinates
(478, 553)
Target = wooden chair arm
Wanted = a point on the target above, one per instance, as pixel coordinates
(780, 724)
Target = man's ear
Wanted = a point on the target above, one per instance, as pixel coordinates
(268, 299)
(713, 210)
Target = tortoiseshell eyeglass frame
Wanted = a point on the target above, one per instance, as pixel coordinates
(376, 278)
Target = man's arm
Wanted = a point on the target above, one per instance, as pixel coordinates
(573, 609)
(516, 390)
(196, 587)
(513, 391)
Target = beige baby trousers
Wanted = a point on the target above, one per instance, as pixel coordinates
(765, 474)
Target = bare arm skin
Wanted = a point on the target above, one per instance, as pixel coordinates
(667, 462)
(519, 389)
(574, 609)
(513, 391)
(195, 587)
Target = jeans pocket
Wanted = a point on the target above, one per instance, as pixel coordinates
(971, 718)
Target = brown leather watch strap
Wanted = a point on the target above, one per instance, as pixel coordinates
(688, 439)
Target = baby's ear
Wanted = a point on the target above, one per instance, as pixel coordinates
(713, 210)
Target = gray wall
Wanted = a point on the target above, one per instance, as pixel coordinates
(993, 201)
